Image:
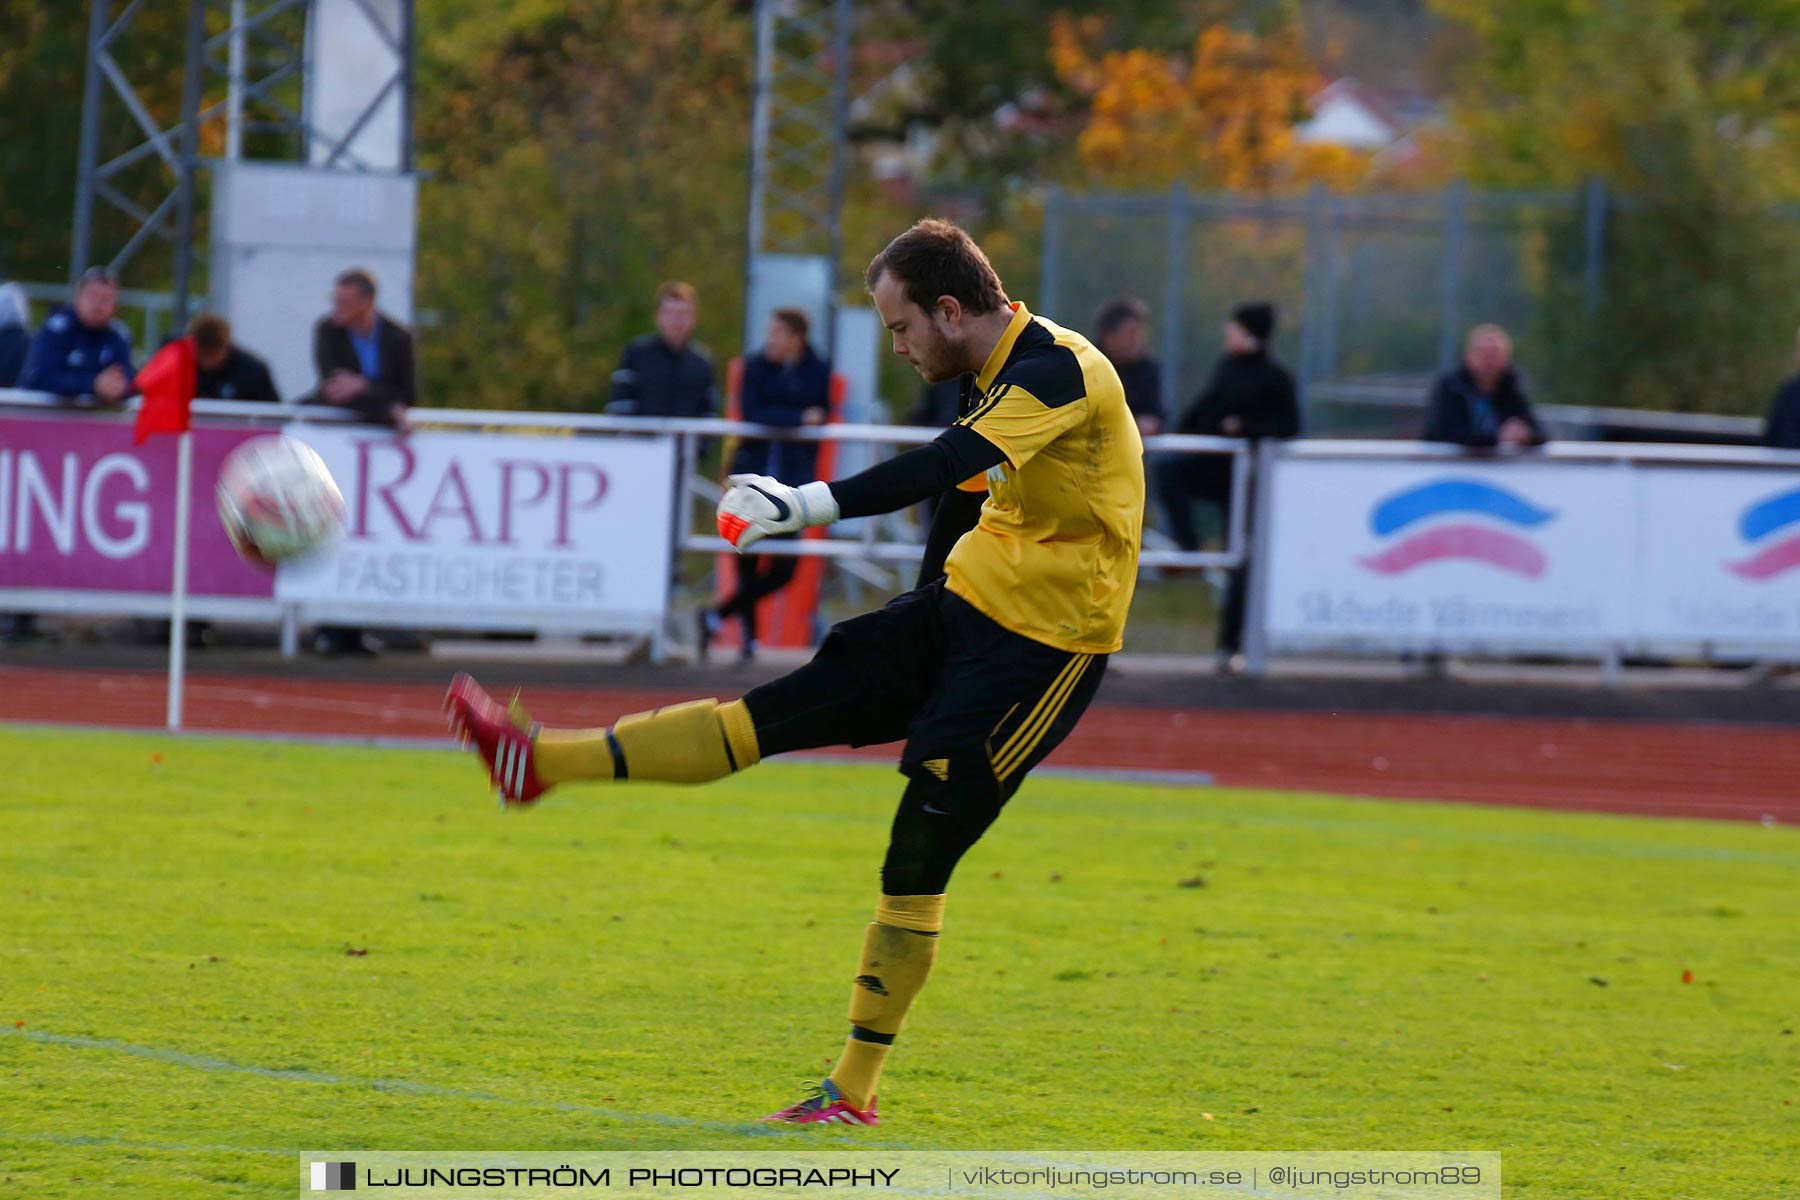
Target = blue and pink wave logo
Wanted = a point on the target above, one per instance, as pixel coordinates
(1765, 519)
(1439, 513)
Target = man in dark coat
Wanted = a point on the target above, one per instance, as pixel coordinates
(365, 363)
(1249, 395)
(364, 357)
(787, 385)
(223, 370)
(1783, 429)
(662, 374)
(1481, 403)
(1122, 331)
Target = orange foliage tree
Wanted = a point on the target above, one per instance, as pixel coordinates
(1226, 116)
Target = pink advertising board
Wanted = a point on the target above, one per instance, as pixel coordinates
(82, 509)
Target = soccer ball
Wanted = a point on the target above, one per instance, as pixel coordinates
(277, 501)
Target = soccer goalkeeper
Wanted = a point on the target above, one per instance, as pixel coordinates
(983, 668)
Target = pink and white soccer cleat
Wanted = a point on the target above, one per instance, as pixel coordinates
(502, 736)
(824, 1104)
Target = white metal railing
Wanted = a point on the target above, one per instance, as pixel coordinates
(1613, 452)
(1408, 394)
(689, 434)
(1249, 535)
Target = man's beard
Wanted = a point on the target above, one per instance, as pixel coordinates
(936, 363)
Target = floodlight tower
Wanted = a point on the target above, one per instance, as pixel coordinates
(314, 171)
(272, 70)
(797, 161)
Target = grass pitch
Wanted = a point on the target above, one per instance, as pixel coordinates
(215, 954)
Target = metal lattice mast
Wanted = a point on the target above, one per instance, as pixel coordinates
(249, 73)
(797, 143)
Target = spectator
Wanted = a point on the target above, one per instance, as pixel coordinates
(1481, 403)
(1249, 395)
(662, 374)
(365, 362)
(786, 385)
(80, 351)
(364, 357)
(15, 333)
(939, 404)
(1122, 327)
(225, 371)
(1783, 431)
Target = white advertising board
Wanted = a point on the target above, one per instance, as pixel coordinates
(1447, 554)
(489, 530)
(1719, 553)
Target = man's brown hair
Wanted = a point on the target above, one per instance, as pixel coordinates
(359, 278)
(676, 289)
(936, 258)
(794, 319)
(211, 333)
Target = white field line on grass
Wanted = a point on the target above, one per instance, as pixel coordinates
(263, 700)
(115, 1143)
(409, 1087)
(406, 1087)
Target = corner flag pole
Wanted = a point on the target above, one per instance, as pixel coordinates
(184, 476)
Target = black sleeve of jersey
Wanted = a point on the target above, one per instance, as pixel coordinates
(957, 512)
(957, 454)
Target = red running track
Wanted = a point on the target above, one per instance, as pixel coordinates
(1739, 772)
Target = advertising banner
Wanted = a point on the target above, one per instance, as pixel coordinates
(1447, 553)
(82, 509)
(492, 530)
(1719, 554)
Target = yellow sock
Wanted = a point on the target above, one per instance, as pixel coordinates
(694, 742)
(898, 951)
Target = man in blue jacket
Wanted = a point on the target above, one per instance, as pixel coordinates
(786, 385)
(80, 351)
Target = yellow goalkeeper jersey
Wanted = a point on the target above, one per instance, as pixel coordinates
(1054, 554)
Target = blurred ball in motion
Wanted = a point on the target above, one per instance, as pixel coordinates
(277, 501)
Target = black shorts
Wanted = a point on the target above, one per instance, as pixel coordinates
(978, 705)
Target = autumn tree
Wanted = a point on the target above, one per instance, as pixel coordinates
(1225, 115)
(579, 153)
(1688, 111)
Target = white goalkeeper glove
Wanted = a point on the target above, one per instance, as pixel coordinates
(755, 507)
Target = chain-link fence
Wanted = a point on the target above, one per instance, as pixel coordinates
(1376, 292)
